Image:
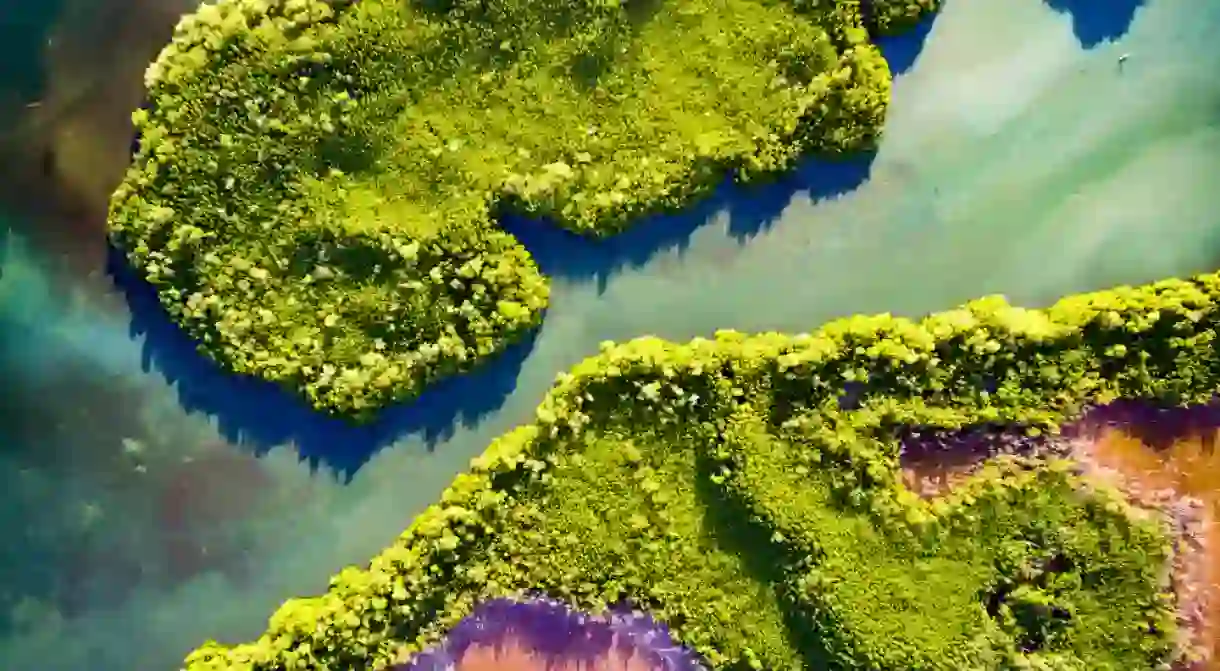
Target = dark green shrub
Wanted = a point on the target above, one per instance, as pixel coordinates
(888, 17)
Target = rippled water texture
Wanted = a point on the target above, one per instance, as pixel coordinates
(150, 503)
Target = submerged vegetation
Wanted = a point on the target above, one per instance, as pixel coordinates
(316, 184)
(735, 490)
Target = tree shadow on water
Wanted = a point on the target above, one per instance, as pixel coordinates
(751, 209)
(902, 50)
(1098, 21)
(260, 415)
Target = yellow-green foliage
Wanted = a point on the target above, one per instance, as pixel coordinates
(720, 485)
(887, 17)
(317, 180)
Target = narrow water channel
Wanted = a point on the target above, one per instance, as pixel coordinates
(149, 499)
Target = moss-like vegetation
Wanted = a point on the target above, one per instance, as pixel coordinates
(317, 180)
(722, 485)
(889, 17)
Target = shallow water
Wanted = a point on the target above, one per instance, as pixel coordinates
(1017, 161)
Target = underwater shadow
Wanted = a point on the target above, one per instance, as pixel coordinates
(259, 415)
(1097, 21)
(902, 50)
(751, 209)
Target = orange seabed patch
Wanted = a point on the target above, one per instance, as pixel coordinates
(513, 655)
(1189, 468)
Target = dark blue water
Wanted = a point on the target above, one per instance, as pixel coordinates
(1097, 21)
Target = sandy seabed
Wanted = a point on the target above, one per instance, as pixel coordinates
(516, 655)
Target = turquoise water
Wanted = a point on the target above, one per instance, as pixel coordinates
(1021, 158)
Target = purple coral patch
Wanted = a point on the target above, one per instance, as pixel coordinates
(558, 634)
(1154, 425)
